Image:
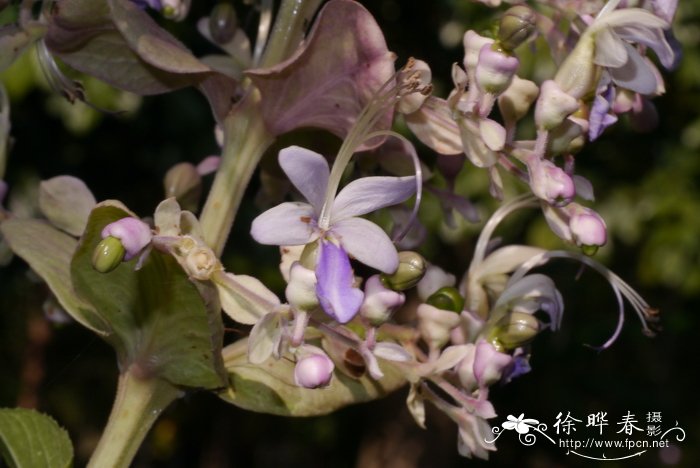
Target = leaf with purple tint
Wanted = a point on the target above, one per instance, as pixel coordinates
(331, 79)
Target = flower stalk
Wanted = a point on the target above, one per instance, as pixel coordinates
(245, 141)
(138, 404)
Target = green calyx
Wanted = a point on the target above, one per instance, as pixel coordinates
(517, 26)
(514, 330)
(447, 298)
(108, 254)
(222, 23)
(410, 271)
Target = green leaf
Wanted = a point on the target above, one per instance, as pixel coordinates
(66, 202)
(269, 387)
(152, 43)
(108, 57)
(32, 439)
(49, 252)
(161, 325)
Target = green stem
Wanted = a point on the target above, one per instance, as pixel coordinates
(245, 142)
(288, 31)
(137, 405)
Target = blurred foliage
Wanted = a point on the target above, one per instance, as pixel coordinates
(647, 188)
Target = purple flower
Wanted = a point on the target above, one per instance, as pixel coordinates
(334, 288)
(295, 223)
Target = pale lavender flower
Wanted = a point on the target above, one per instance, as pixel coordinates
(294, 223)
(335, 290)
(600, 117)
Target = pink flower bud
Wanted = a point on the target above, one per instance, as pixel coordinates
(313, 371)
(553, 106)
(549, 182)
(588, 228)
(495, 70)
(380, 301)
(133, 233)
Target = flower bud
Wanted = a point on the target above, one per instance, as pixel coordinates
(201, 262)
(301, 290)
(515, 102)
(518, 24)
(380, 301)
(133, 233)
(553, 106)
(567, 138)
(588, 229)
(183, 182)
(482, 366)
(175, 10)
(222, 23)
(514, 330)
(434, 279)
(473, 43)
(550, 183)
(435, 325)
(313, 370)
(447, 298)
(495, 69)
(411, 269)
(108, 254)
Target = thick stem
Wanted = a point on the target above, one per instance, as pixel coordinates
(137, 405)
(245, 142)
(288, 31)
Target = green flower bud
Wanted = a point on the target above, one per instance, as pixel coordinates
(411, 269)
(447, 298)
(108, 254)
(514, 330)
(222, 23)
(517, 26)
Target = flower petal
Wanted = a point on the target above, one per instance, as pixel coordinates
(369, 194)
(335, 290)
(636, 75)
(610, 50)
(308, 171)
(434, 126)
(368, 243)
(286, 224)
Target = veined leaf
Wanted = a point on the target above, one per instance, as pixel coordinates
(159, 319)
(32, 439)
(269, 387)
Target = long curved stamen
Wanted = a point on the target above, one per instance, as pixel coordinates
(369, 116)
(641, 307)
(523, 201)
(418, 171)
(385, 98)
